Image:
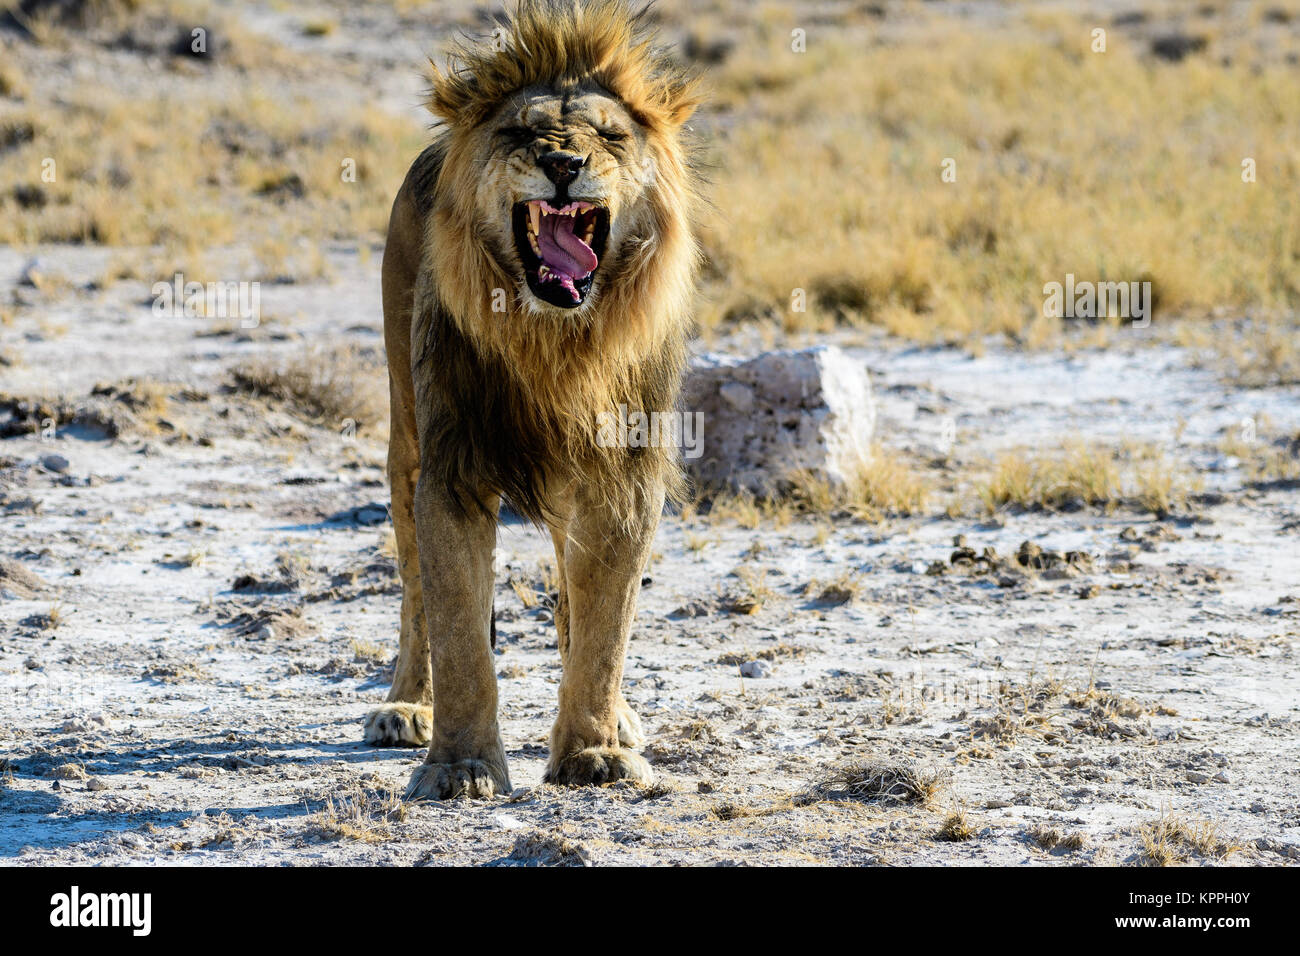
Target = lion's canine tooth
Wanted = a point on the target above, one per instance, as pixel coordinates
(534, 215)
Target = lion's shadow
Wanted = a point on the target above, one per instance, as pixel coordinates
(46, 818)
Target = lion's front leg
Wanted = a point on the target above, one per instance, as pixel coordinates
(603, 556)
(465, 756)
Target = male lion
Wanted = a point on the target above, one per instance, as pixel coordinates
(539, 271)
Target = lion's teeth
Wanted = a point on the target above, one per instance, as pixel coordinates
(535, 215)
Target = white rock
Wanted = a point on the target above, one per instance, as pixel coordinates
(740, 397)
(755, 669)
(780, 413)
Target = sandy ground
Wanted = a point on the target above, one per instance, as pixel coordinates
(213, 611)
(197, 608)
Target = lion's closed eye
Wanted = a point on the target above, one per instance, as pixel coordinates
(516, 133)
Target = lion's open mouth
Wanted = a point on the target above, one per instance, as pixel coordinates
(560, 248)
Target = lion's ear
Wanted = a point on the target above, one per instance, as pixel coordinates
(450, 94)
(440, 102)
(684, 98)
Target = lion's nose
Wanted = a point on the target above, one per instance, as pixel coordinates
(561, 168)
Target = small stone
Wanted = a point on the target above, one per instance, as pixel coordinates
(1222, 777)
(94, 783)
(756, 669)
(705, 787)
(55, 463)
(265, 633)
(85, 724)
(692, 609)
(1196, 776)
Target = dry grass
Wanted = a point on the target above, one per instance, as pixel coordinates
(956, 828)
(536, 590)
(873, 782)
(548, 848)
(750, 595)
(1173, 840)
(1253, 353)
(773, 653)
(1043, 131)
(48, 620)
(1021, 710)
(362, 815)
(1265, 455)
(1063, 161)
(747, 510)
(1051, 838)
(363, 650)
(248, 164)
(1079, 475)
(884, 486)
(331, 386)
(729, 810)
(845, 589)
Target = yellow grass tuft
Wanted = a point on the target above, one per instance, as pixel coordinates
(1173, 840)
(1093, 475)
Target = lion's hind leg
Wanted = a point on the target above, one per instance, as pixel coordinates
(406, 720)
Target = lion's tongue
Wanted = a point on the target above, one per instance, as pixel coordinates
(561, 250)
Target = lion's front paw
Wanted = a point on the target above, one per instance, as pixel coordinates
(597, 765)
(399, 725)
(470, 778)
